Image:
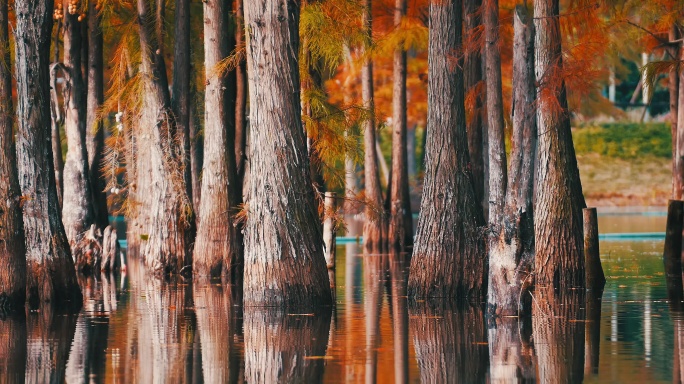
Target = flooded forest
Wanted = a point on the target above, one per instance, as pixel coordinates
(262, 191)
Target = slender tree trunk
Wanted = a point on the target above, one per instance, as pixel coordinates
(284, 263)
(180, 95)
(94, 125)
(50, 272)
(57, 119)
(473, 85)
(558, 231)
(375, 226)
(679, 137)
(449, 255)
(162, 228)
(196, 143)
(673, 86)
(511, 240)
(216, 246)
(240, 95)
(400, 232)
(12, 250)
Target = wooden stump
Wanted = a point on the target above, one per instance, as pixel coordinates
(594, 272)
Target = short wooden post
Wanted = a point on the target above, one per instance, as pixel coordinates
(672, 255)
(592, 257)
(329, 229)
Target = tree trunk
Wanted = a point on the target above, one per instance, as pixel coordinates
(12, 249)
(284, 263)
(51, 276)
(77, 208)
(196, 143)
(57, 120)
(240, 96)
(94, 125)
(162, 226)
(673, 86)
(449, 255)
(679, 137)
(216, 246)
(473, 86)
(400, 232)
(511, 240)
(180, 95)
(375, 226)
(558, 231)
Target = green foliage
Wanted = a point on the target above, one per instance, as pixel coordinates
(624, 140)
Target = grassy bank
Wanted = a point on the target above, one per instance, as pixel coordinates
(625, 164)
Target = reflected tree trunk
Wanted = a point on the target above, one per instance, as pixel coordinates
(511, 354)
(592, 333)
(285, 348)
(87, 358)
(50, 336)
(13, 348)
(558, 335)
(450, 342)
(374, 281)
(12, 248)
(449, 255)
(399, 269)
(50, 272)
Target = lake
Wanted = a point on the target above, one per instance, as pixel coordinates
(134, 328)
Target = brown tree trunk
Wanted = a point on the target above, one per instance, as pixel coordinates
(558, 231)
(473, 84)
(679, 136)
(511, 240)
(196, 143)
(162, 225)
(240, 95)
(180, 94)
(57, 119)
(77, 207)
(450, 341)
(375, 226)
(94, 125)
(216, 246)
(51, 276)
(12, 250)
(449, 255)
(13, 348)
(400, 232)
(284, 262)
(673, 86)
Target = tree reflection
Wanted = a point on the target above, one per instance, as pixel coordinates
(450, 341)
(374, 281)
(285, 347)
(511, 353)
(49, 339)
(13, 347)
(592, 332)
(558, 331)
(399, 268)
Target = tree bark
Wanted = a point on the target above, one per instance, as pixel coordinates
(77, 203)
(284, 263)
(180, 94)
(94, 125)
(50, 272)
(57, 121)
(400, 232)
(511, 239)
(162, 226)
(473, 84)
(375, 226)
(240, 96)
(449, 255)
(216, 246)
(12, 249)
(559, 260)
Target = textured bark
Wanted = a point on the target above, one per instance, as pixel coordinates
(240, 95)
(511, 239)
(13, 348)
(50, 272)
(217, 245)
(162, 223)
(12, 250)
(400, 232)
(94, 125)
(77, 205)
(284, 263)
(375, 226)
(48, 343)
(180, 94)
(472, 68)
(450, 342)
(559, 239)
(673, 87)
(196, 143)
(284, 348)
(449, 255)
(558, 335)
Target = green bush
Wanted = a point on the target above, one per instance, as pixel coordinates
(624, 140)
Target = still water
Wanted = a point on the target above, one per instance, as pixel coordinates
(138, 329)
